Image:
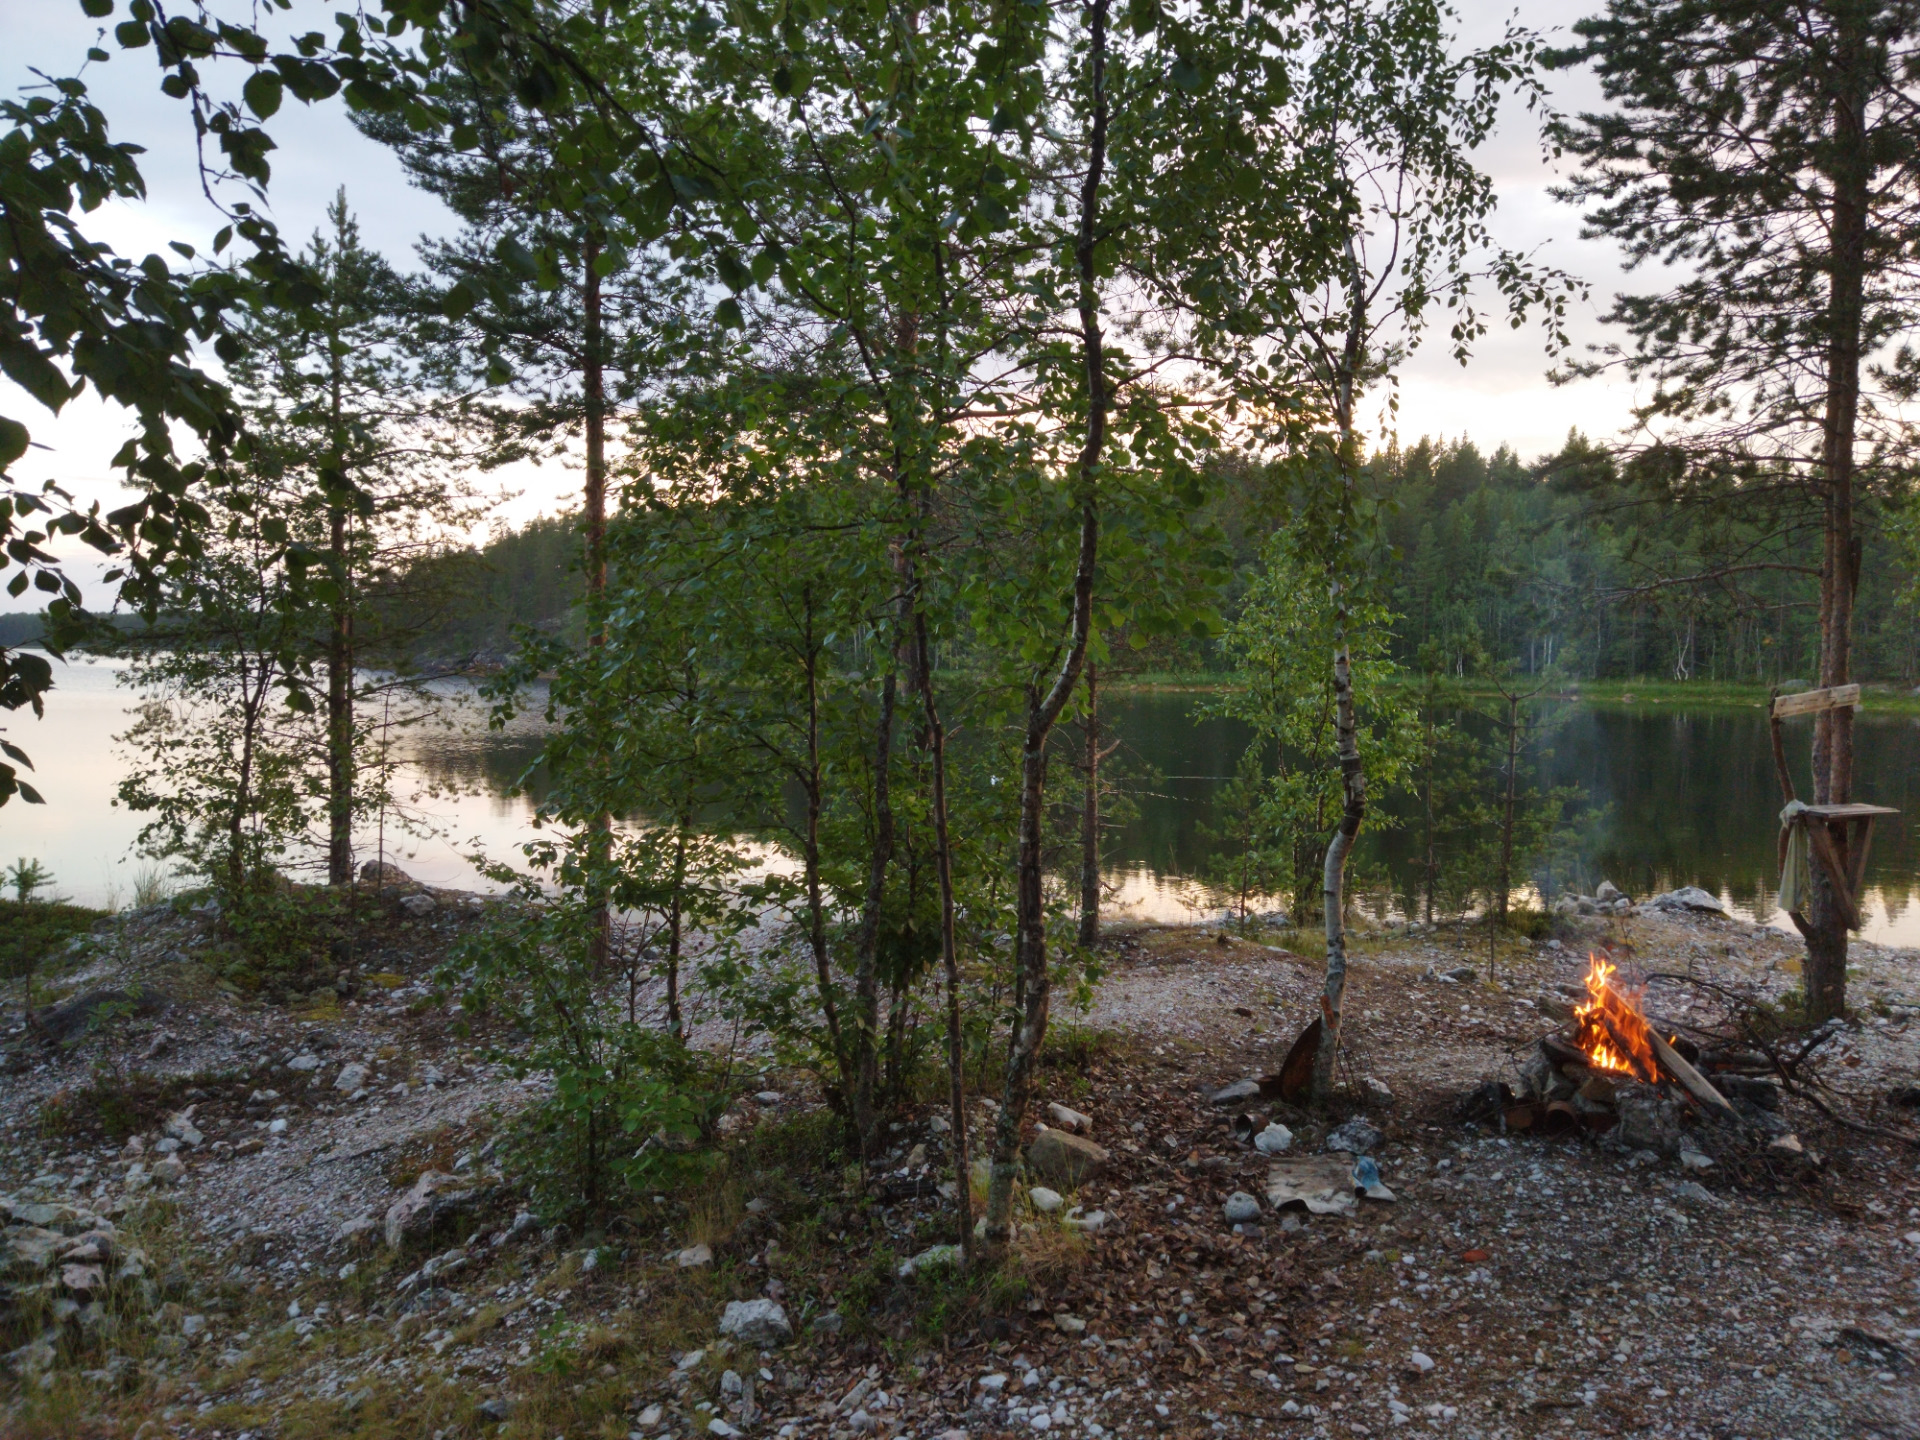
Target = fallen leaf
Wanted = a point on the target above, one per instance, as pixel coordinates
(1474, 1257)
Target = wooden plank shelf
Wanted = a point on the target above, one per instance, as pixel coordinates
(1812, 702)
(1839, 835)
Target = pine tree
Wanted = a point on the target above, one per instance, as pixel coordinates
(1767, 150)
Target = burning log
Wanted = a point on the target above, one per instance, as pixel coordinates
(1691, 1080)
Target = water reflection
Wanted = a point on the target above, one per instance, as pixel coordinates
(1688, 798)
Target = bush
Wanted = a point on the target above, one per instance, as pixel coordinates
(34, 933)
(1526, 921)
(628, 1102)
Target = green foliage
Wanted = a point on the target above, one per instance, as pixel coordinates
(1286, 793)
(35, 932)
(626, 1101)
(28, 878)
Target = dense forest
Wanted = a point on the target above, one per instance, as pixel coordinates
(1564, 565)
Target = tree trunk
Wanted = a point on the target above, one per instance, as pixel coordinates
(339, 636)
(1030, 949)
(1826, 928)
(1353, 809)
(594, 562)
(675, 914)
(816, 902)
(1353, 779)
(1090, 818)
(1427, 801)
(863, 1061)
(949, 949)
(1506, 819)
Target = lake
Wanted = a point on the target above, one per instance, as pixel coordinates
(1685, 798)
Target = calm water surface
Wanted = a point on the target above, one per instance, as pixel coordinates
(1685, 799)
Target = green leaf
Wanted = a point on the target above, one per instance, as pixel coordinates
(458, 300)
(13, 441)
(96, 9)
(28, 793)
(727, 312)
(733, 274)
(131, 34)
(263, 92)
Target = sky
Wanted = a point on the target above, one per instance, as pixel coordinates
(1501, 398)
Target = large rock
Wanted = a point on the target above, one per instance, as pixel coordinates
(83, 1012)
(33, 1247)
(1648, 1119)
(1065, 1161)
(383, 872)
(759, 1323)
(1689, 897)
(1239, 1092)
(414, 1215)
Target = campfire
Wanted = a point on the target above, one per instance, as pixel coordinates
(1609, 1071)
(1611, 1028)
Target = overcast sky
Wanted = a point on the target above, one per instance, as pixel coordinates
(1501, 398)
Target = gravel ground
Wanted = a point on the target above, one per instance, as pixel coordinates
(1515, 1287)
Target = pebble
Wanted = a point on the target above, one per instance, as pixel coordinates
(1421, 1361)
(1044, 1200)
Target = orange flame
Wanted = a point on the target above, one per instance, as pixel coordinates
(1612, 1030)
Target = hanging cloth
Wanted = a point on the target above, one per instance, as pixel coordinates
(1796, 880)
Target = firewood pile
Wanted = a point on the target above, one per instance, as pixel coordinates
(1609, 1072)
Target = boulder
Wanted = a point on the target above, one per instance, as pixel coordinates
(414, 1215)
(1689, 897)
(351, 1078)
(1609, 892)
(181, 1127)
(1065, 1161)
(383, 872)
(82, 1279)
(762, 1324)
(73, 1017)
(32, 1247)
(419, 906)
(168, 1170)
(1044, 1200)
(692, 1256)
